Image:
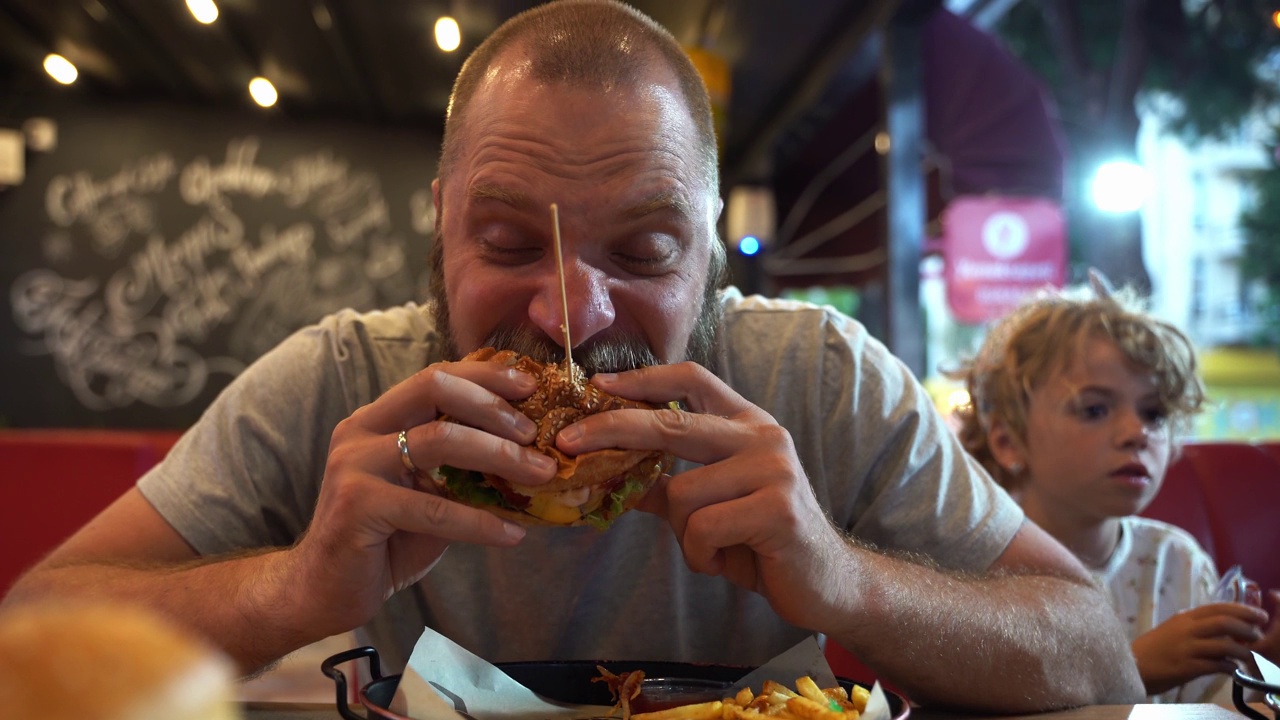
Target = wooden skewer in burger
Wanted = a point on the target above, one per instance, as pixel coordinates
(589, 489)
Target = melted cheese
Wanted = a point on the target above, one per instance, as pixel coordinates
(548, 507)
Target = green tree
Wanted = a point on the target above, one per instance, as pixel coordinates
(1101, 57)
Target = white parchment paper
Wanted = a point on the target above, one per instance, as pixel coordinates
(1270, 672)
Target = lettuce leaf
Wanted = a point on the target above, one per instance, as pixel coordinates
(602, 517)
(469, 488)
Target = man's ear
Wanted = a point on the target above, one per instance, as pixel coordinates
(1005, 447)
(435, 200)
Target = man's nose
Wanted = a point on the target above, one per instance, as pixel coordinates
(590, 309)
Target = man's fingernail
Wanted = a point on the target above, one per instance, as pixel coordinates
(573, 433)
(523, 425)
(604, 377)
(513, 531)
(544, 463)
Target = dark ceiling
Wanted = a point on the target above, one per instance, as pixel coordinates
(376, 60)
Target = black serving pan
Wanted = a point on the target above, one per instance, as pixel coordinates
(567, 682)
(1270, 698)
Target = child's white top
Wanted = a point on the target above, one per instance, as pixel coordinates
(1157, 571)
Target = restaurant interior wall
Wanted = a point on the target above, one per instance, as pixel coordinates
(157, 249)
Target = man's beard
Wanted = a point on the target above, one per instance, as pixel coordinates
(606, 352)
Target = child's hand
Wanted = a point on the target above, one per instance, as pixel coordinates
(1269, 646)
(1198, 642)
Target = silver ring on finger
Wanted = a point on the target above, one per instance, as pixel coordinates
(402, 442)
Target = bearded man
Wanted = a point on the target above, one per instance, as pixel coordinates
(817, 490)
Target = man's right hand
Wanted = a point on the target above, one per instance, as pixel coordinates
(378, 527)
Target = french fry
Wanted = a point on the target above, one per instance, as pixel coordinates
(809, 689)
(699, 711)
(836, 693)
(771, 687)
(775, 701)
(806, 709)
(859, 697)
(733, 711)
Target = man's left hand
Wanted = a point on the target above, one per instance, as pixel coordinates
(749, 513)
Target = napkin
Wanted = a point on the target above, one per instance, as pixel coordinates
(444, 678)
(444, 681)
(1270, 672)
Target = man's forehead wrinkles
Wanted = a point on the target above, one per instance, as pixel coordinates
(669, 182)
(659, 149)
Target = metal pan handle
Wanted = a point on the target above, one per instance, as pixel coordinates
(330, 668)
(1244, 680)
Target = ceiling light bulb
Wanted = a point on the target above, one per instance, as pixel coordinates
(263, 92)
(60, 69)
(448, 35)
(204, 11)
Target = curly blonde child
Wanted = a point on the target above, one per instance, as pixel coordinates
(1040, 338)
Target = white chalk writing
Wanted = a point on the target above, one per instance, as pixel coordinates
(139, 333)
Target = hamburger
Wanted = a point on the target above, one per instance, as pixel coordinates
(593, 488)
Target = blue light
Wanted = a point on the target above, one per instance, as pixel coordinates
(748, 245)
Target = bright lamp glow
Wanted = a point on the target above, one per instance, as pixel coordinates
(60, 69)
(1120, 186)
(748, 245)
(448, 35)
(263, 92)
(204, 11)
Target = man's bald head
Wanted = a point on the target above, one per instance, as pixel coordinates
(590, 44)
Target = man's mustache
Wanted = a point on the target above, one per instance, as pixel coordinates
(603, 353)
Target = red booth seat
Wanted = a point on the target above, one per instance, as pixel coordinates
(1228, 496)
(54, 481)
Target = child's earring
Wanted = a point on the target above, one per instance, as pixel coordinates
(1015, 468)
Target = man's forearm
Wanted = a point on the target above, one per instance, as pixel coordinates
(241, 604)
(1005, 643)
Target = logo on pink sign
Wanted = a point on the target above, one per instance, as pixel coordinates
(999, 249)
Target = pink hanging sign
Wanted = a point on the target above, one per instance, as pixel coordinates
(999, 249)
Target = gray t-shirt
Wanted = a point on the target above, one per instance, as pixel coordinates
(879, 457)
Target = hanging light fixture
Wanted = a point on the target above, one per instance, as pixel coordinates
(263, 92)
(204, 11)
(60, 68)
(751, 218)
(448, 34)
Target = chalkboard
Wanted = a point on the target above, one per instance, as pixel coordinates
(157, 251)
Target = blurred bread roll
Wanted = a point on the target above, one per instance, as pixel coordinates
(60, 661)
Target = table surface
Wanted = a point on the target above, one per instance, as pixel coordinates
(307, 711)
